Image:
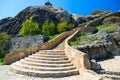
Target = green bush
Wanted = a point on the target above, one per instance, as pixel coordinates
(29, 27)
(3, 39)
(48, 28)
(62, 26)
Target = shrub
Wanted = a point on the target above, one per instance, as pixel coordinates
(3, 38)
(29, 27)
(62, 26)
(48, 28)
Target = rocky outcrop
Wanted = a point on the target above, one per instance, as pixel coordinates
(111, 19)
(106, 45)
(63, 14)
(12, 26)
(83, 19)
(92, 24)
(24, 42)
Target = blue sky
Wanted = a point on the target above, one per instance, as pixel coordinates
(83, 7)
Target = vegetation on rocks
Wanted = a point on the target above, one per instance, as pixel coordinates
(29, 27)
(107, 27)
(82, 38)
(3, 39)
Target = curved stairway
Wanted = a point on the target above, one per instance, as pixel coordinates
(45, 63)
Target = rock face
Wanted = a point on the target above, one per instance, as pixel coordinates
(64, 14)
(12, 26)
(112, 19)
(24, 42)
(83, 19)
(106, 45)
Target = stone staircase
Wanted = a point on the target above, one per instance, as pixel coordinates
(108, 75)
(45, 63)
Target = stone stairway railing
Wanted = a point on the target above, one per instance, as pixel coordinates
(10, 58)
(80, 60)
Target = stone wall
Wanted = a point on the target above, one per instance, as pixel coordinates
(10, 58)
(25, 42)
(80, 60)
(75, 56)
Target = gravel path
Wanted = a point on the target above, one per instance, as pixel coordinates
(5, 74)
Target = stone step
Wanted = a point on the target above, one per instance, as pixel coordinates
(48, 51)
(47, 58)
(45, 61)
(51, 52)
(114, 77)
(39, 68)
(46, 65)
(43, 73)
(112, 73)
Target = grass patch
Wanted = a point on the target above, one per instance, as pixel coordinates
(107, 27)
(52, 37)
(82, 39)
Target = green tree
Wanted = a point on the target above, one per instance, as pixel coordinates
(3, 38)
(29, 27)
(48, 28)
(62, 26)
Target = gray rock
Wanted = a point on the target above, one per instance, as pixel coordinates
(24, 42)
(64, 14)
(104, 37)
(106, 45)
(95, 65)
